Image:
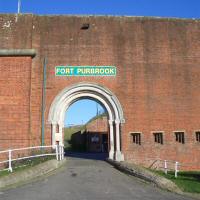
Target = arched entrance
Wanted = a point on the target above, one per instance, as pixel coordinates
(71, 94)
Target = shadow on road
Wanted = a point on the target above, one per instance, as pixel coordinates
(85, 155)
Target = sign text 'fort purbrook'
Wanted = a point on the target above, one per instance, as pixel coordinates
(85, 71)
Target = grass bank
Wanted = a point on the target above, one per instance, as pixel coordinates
(187, 181)
(25, 164)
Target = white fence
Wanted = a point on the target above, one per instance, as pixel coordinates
(165, 165)
(10, 155)
(171, 165)
(167, 168)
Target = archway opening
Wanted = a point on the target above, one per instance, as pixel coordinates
(86, 128)
(98, 93)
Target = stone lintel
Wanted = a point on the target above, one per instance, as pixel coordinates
(17, 52)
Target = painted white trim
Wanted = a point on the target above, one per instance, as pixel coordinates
(135, 132)
(92, 88)
(179, 131)
(157, 132)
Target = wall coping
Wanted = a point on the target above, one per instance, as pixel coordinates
(17, 52)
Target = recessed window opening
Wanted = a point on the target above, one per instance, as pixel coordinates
(197, 136)
(180, 137)
(158, 137)
(85, 26)
(136, 138)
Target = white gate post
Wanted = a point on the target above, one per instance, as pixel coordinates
(165, 166)
(118, 154)
(57, 152)
(10, 160)
(54, 124)
(111, 151)
(60, 127)
(176, 169)
(62, 148)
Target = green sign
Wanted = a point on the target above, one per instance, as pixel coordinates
(85, 71)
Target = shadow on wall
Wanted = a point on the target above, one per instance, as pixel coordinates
(77, 143)
(76, 147)
(83, 141)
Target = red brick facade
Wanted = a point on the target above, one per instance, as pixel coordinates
(97, 128)
(98, 125)
(15, 85)
(157, 82)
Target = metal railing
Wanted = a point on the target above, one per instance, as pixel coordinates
(10, 154)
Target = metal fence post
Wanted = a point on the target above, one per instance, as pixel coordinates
(176, 169)
(10, 160)
(165, 166)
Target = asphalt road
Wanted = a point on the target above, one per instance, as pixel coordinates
(85, 179)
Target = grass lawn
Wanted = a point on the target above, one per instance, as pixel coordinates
(187, 181)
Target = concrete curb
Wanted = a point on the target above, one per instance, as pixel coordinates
(146, 175)
(151, 177)
(31, 173)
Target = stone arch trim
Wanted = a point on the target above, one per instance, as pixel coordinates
(71, 94)
(86, 87)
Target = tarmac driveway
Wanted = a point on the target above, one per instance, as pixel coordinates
(88, 179)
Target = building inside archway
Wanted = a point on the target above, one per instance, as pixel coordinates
(86, 130)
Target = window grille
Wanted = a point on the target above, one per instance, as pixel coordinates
(136, 138)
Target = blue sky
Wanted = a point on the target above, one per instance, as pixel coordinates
(81, 111)
(162, 8)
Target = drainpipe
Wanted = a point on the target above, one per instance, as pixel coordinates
(43, 99)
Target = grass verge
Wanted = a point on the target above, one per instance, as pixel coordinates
(25, 164)
(187, 181)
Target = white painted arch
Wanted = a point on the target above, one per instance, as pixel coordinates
(101, 94)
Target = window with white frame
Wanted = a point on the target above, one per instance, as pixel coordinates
(136, 138)
(158, 137)
(180, 136)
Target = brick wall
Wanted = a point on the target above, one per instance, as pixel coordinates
(157, 80)
(98, 125)
(14, 102)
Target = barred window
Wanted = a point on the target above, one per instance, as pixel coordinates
(198, 136)
(180, 137)
(158, 137)
(136, 138)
